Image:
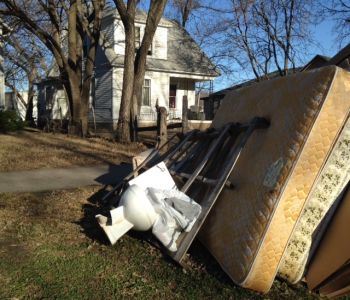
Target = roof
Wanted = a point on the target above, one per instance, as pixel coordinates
(183, 54)
(316, 62)
(221, 94)
(140, 17)
(342, 55)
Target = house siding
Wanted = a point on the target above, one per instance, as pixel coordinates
(103, 95)
(117, 87)
(159, 44)
(160, 83)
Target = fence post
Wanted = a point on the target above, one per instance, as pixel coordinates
(184, 114)
(162, 130)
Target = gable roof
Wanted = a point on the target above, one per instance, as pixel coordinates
(316, 62)
(341, 56)
(183, 53)
(222, 93)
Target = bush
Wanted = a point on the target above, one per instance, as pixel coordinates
(10, 121)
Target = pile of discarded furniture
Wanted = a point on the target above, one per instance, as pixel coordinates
(265, 189)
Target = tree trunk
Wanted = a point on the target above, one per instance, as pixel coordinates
(29, 112)
(137, 97)
(79, 108)
(123, 129)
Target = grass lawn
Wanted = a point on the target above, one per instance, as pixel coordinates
(51, 247)
(26, 150)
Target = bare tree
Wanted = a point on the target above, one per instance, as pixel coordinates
(267, 35)
(26, 62)
(51, 22)
(135, 65)
(339, 11)
(185, 9)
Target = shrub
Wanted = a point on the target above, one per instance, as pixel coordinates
(10, 121)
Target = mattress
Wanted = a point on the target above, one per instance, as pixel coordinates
(333, 252)
(249, 227)
(328, 186)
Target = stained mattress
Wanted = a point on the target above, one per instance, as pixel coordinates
(328, 186)
(249, 227)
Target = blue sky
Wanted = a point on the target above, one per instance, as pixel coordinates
(324, 36)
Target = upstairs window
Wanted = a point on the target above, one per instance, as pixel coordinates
(137, 38)
(146, 93)
(150, 49)
(138, 41)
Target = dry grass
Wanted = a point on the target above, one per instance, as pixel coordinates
(52, 247)
(34, 150)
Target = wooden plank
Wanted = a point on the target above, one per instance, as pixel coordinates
(154, 128)
(209, 201)
(162, 130)
(184, 114)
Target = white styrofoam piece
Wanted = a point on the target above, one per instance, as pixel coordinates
(121, 225)
(157, 177)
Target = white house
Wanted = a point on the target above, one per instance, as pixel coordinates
(12, 102)
(174, 64)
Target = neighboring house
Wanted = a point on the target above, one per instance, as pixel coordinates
(317, 62)
(52, 103)
(213, 101)
(341, 59)
(12, 102)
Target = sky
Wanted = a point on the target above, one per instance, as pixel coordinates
(325, 37)
(323, 34)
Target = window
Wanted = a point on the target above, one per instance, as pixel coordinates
(172, 96)
(138, 41)
(49, 95)
(149, 52)
(137, 38)
(146, 93)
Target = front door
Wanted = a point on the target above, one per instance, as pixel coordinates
(172, 96)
